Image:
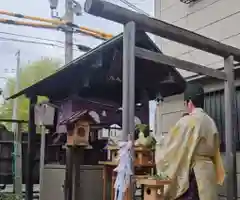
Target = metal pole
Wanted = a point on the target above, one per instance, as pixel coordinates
(42, 157)
(17, 136)
(18, 162)
(68, 33)
(68, 58)
(229, 94)
(129, 88)
(15, 101)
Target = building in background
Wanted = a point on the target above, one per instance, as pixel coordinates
(217, 19)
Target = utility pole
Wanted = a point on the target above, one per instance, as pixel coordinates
(42, 156)
(69, 31)
(68, 58)
(71, 7)
(15, 102)
(16, 129)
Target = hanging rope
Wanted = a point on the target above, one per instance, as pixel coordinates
(124, 170)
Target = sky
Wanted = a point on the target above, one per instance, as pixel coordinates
(32, 52)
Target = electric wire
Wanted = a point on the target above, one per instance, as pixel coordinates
(59, 23)
(32, 37)
(131, 5)
(32, 42)
(79, 46)
(54, 27)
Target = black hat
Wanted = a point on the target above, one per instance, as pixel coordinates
(193, 91)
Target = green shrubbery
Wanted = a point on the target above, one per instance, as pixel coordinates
(7, 196)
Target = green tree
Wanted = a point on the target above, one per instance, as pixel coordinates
(30, 74)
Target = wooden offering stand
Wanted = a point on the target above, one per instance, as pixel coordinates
(143, 166)
(128, 193)
(143, 155)
(153, 188)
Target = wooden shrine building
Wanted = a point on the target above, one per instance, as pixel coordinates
(98, 76)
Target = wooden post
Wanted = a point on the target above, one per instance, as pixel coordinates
(68, 174)
(230, 130)
(78, 158)
(31, 150)
(129, 89)
(42, 156)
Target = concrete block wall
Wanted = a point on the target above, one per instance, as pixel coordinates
(217, 19)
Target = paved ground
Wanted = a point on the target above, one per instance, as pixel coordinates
(9, 189)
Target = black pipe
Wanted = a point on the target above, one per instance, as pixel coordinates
(31, 150)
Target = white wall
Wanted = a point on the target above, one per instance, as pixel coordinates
(217, 19)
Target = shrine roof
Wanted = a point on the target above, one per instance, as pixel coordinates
(77, 116)
(98, 73)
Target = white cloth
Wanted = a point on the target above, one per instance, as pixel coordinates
(124, 170)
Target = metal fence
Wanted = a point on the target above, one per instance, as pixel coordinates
(214, 106)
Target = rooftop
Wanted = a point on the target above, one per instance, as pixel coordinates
(98, 73)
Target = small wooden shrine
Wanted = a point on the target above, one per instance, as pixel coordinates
(78, 128)
(143, 155)
(143, 147)
(153, 188)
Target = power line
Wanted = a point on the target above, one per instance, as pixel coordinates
(32, 37)
(55, 24)
(79, 46)
(29, 41)
(131, 5)
(32, 42)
